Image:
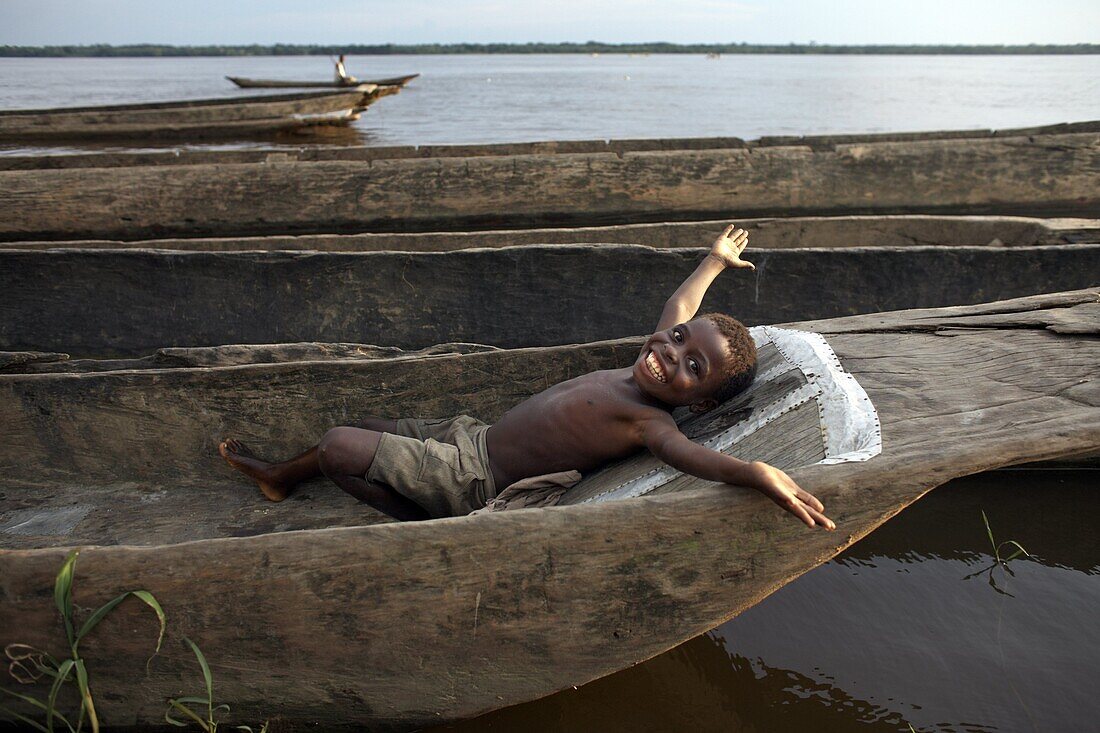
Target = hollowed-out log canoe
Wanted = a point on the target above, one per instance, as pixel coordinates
(793, 232)
(127, 303)
(346, 624)
(246, 83)
(1038, 172)
(197, 118)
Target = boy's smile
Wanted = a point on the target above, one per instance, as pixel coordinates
(682, 365)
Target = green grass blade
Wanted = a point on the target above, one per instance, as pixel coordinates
(989, 531)
(96, 617)
(178, 705)
(1019, 550)
(23, 719)
(35, 702)
(63, 671)
(63, 593)
(86, 702)
(152, 603)
(206, 676)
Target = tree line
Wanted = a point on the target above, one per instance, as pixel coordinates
(289, 49)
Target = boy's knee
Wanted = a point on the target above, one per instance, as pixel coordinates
(334, 452)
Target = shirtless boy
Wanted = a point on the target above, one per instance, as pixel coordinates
(418, 469)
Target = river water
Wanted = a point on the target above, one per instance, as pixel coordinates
(913, 625)
(497, 98)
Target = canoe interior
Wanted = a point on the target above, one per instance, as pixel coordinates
(120, 303)
(80, 502)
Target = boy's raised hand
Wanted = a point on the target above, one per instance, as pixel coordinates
(729, 246)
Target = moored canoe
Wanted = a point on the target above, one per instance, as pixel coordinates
(201, 118)
(445, 619)
(246, 83)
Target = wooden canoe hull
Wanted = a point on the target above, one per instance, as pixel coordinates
(907, 230)
(479, 187)
(246, 83)
(131, 302)
(398, 626)
(195, 118)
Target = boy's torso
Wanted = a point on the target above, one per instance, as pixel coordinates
(579, 424)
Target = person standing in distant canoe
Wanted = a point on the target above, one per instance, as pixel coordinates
(342, 73)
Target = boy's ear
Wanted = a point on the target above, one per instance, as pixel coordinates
(698, 408)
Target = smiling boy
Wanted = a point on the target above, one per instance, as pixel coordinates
(418, 469)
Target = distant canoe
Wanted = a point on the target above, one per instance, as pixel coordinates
(245, 83)
(196, 118)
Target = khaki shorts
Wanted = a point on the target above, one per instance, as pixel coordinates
(442, 465)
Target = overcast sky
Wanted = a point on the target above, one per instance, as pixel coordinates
(183, 22)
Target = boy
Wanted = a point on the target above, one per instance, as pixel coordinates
(416, 469)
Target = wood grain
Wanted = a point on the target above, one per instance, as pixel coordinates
(1040, 174)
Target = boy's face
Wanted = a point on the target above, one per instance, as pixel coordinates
(683, 365)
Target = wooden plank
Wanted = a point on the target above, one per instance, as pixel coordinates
(766, 233)
(449, 618)
(1035, 175)
(542, 147)
(113, 303)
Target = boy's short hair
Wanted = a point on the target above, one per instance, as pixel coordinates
(740, 366)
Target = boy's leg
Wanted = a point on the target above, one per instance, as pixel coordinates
(277, 480)
(345, 455)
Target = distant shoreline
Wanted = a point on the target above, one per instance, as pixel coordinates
(591, 47)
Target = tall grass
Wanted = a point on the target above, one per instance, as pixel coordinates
(28, 664)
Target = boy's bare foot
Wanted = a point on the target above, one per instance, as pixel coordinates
(241, 458)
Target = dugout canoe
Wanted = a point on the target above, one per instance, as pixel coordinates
(246, 83)
(190, 119)
(1049, 171)
(445, 619)
(127, 303)
(765, 233)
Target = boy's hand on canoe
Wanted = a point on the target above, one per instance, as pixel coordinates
(780, 488)
(729, 246)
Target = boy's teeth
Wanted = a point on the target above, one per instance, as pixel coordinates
(654, 367)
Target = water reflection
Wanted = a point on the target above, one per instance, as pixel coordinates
(889, 634)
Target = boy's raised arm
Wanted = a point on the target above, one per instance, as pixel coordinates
(725, 252)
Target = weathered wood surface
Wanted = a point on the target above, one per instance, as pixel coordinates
(33, 362)
(100, 303)
(192, 118)
(540, 148)
(766, 233)
(445, 619)
(1038, 175)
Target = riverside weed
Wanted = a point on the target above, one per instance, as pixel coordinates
(27, 664)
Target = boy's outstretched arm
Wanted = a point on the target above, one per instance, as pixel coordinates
(725, 252)
(664, 439)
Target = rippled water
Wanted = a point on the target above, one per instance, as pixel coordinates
(462, 99)
(903, 628)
